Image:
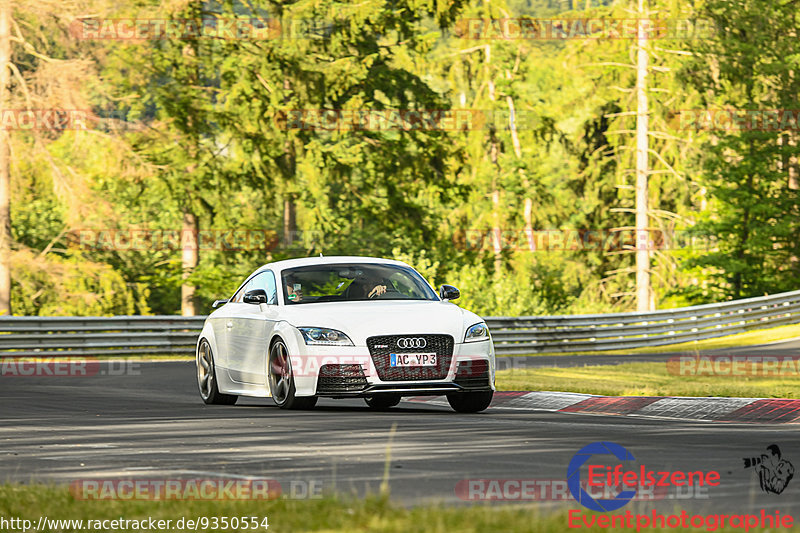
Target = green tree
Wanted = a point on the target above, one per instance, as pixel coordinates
(751, 171)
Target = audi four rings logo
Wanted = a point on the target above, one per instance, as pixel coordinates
(411, 342)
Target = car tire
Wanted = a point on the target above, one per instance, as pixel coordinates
(382, 402)
(470, 402)
(281, 380)
(207, 378)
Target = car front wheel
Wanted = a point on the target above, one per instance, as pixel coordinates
(281, 380)
(470, 402)
(207, 378)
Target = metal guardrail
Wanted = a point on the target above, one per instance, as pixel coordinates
(176, 335)
(624, 331)
(39, 336)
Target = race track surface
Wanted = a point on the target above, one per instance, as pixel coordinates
(146, 420)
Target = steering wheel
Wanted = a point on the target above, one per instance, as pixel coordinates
(389, 289)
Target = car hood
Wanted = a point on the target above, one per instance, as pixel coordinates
(360, 320)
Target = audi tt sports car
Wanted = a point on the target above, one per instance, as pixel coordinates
(344, 327)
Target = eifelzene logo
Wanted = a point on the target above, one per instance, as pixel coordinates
(629, 480)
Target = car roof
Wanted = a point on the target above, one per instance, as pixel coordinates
(332, 259)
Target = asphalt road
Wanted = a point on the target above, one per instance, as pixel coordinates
(147, 421)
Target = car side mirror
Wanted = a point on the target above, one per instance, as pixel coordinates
(448, 292)
(256, 296)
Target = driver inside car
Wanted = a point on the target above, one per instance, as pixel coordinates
(364, 287)
(369, 286)
(294, 291)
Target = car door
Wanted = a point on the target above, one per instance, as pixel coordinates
(222, 323)
(250, 327)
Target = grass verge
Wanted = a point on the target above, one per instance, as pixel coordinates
(646, 379)
(328, 515)
(751, 338)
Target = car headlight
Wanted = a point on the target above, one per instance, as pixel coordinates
(477, 332)
(325, 336)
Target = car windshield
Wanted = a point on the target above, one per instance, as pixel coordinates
(353, 282)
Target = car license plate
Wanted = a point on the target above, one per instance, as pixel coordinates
(412, 359)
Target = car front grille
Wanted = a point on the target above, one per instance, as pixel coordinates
(381, 348)
(341, 378)
(473, 374)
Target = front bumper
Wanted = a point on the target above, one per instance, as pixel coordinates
(348, 372)
(416, 389)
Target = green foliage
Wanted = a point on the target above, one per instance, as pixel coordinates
(533, 286)
(71, 286)
(206, 134)
(754, 211)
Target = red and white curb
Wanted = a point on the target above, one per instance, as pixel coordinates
(748, 410)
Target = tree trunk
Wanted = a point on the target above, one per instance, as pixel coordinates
(190, 249)
(5, 161)
(528, 210)
(289, 220)
(289, 174)
(496, 233)
(189, 259)
(788, 163)
(494, 149)
(644, 301)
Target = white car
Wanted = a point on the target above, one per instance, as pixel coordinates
(344, 327)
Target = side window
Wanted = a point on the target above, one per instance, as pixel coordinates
(265, 280)
(237, 298)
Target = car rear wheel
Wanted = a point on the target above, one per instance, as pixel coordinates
(470, 402)
(207, 378)
(281, 380)
(382, 402)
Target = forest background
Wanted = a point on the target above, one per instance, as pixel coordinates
(504, 164)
